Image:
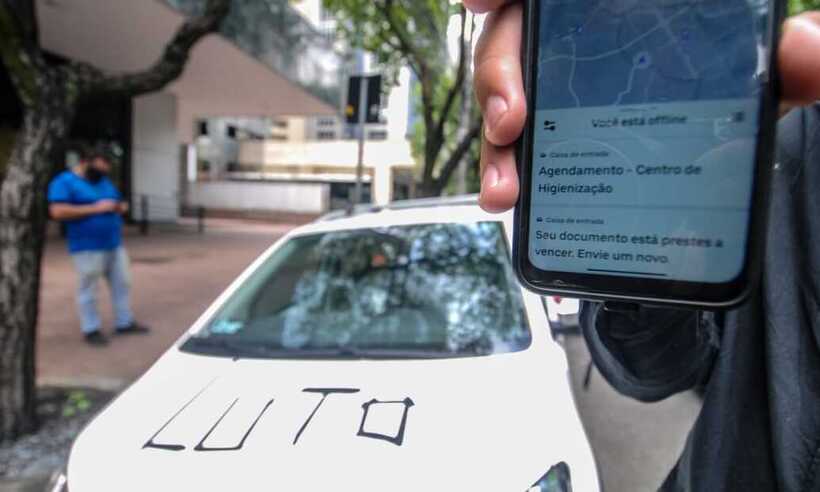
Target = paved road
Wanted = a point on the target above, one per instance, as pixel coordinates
(176, 274)
(635, 444)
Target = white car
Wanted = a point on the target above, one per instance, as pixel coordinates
(389, 351)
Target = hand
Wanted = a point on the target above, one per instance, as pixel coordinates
(106, 206)
(123, 208)
(500, 91)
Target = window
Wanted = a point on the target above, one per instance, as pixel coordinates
(377, 135)
(326, 122)
(341, 194)
(231, 131)
(418, 291)
(203, 128)
(280, 123)
(326, 135)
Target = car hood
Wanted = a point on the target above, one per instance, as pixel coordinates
(202, 423)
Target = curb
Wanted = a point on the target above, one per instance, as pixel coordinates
(114, 385)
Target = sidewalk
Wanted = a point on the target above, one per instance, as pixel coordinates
(176, 274)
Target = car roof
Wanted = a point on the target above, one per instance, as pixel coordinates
(463, 209)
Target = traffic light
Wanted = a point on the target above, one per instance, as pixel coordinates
(372, 103)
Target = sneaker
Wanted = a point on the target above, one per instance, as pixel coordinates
(133, 329)
(96, 339)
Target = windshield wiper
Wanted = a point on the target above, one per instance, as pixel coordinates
(387, 354)
(221, 346)
(258, 349)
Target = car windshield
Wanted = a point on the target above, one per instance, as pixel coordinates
(417, 291)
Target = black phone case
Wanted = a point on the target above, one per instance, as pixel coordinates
(639, 290)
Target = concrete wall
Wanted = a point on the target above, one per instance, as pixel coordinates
(307, 198)
(343, 154)
(399, 106)
(156, 156)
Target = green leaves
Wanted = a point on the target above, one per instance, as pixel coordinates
(76, 403)
(396, 32)
(798, 6)
(415, 34)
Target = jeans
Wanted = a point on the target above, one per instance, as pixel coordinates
(91, 266)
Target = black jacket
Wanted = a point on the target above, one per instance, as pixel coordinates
(759, 428)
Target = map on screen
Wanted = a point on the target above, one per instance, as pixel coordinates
(651, 51)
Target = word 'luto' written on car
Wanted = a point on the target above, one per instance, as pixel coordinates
(398, 438)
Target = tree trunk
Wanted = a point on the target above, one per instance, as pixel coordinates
(50, 94)
(22, 230)
(466, 109)
(427, 190)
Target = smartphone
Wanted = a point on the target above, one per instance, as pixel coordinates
(645, 162)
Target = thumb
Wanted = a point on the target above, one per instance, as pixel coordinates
(800, 58)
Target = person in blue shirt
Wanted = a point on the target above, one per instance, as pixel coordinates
(90, 206)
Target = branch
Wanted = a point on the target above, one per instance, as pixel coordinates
(416, 61)
(25, 11)
(384, 37)
(431, 148)
(18, 48)
(169, 66)
(458, 154)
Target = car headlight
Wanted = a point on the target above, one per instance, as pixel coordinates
(556, 480)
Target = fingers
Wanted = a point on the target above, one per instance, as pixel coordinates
(498, 82)
(799, 58)
(500, 92)
(482, 6)
(499, 178)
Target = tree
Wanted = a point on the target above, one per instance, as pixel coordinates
(415, 34)
(50, 94)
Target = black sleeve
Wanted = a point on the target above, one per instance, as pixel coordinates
(651, 353)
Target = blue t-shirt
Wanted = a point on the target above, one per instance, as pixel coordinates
(100, 232)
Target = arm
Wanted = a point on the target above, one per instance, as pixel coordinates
(67, 211)
(651, 353)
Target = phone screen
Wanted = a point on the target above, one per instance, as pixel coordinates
(644, 148)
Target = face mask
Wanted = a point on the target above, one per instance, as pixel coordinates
(94, 175)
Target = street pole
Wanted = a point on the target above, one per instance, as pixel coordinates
(363, 107)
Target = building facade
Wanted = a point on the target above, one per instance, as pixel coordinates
(155, 136)
(309, 161)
